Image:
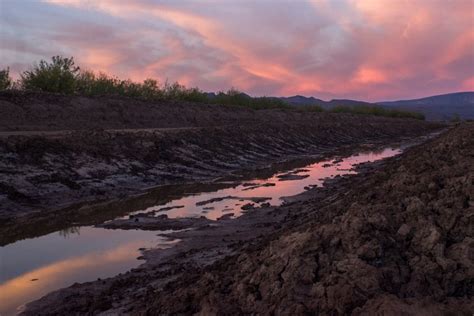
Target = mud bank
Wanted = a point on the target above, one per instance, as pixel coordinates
(396, 238)
(51, 172)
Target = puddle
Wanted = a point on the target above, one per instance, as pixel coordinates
(34, 267)
(31, 268)
(269, 190)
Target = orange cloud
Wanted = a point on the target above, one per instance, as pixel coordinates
(370, 75)
(349, 48)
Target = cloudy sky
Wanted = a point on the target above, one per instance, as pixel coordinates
(361, 49)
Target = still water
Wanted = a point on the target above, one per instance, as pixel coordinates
(270, 190)
(31, 268)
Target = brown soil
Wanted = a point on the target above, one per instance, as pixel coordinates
(44, 173)
(400, 241)
(398, 238)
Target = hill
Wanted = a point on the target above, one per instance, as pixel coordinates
(299, 100)
(439, 107)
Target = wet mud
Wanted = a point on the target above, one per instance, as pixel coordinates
(396, 238)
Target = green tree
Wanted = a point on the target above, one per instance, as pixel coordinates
(5, 80)
(58, 76)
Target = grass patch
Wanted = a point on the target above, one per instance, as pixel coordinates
(377, 111)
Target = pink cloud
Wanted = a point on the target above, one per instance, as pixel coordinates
(367, 49)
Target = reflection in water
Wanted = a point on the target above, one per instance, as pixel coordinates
(230, 200)
(34, 267)
(31, 268)
(73, 230)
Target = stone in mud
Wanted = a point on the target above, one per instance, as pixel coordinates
(161, 222)
(218, 199)
(291, 177)
(164, 209)
(259, 199)
(404, 230)
(249, 184)
(247, 206)
(225, 217)
(259, 186)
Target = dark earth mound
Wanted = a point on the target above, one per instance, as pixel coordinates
(398, 238)
(41, 172)
(400, 241)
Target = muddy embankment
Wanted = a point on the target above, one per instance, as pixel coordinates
(398, 241)
(182, 143)
(398, 238)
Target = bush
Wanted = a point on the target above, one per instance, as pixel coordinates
(5, 80)
(59, 76)
(378, 111)
(455, 118)
(176, 91)
(310, 108)
(62, 76)
(88, 83)
(235, 97)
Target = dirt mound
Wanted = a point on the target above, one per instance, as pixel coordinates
(53, 171)
(35, 111)
(400, 241)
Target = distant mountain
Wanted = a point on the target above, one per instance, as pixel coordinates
(302, 100)
(299, 100)
(439, 107)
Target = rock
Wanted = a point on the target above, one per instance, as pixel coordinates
(226, 216)
(248, 206)
(291, 177)
(404, 230)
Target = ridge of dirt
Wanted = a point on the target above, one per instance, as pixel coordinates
(52, 172)
(399, 241)
(398, 238)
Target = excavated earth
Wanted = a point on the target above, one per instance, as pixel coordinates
(58, 153)
(395, 239)
(400, 240)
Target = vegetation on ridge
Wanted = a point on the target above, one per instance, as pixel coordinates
(61, 75)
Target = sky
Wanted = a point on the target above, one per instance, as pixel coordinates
(370, 50)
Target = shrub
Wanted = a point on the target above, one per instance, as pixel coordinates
(62, 76)
(455, 118)
(235, 97)
(151, 90)
(267, 103)
(310, 108)
(175, 91)
(88, 83)
(5, 80)
(59, 76)
(378, 111)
